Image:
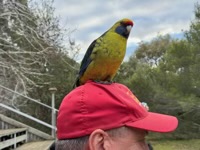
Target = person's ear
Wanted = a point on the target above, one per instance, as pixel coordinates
(99, 140)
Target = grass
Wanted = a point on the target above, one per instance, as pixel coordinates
(193, 144)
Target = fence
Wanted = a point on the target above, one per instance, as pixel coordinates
(52, 126)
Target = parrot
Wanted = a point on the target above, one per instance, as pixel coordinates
(105, 54)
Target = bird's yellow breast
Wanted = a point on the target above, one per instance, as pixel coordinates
(112, 46)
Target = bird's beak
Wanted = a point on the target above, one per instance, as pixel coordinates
(128, 28)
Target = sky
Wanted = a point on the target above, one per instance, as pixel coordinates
(91, 18)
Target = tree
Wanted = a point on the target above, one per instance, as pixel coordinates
(30, 35)
(193, 37)
(141, 72)
(166, 74)
(152, 52)
(34, 57)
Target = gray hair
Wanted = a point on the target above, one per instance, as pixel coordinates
(72, 144)
(80, 143)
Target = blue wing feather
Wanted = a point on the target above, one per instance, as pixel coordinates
(85, 62)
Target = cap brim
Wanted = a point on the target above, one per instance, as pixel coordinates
(156, 122)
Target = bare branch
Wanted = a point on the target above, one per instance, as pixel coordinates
(29, 35)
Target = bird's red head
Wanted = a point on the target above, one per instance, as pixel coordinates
(127, 22)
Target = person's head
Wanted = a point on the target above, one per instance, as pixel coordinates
(122, 138)
(105, 117)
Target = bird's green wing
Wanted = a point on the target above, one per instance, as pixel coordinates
(86, 60)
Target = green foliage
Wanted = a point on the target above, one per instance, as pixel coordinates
(152, 53)
(126, 70)
(165, 73)
(191, 144)
(176, 67)
(193, 35)
(141, 82)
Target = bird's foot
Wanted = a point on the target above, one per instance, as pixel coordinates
(103, 82)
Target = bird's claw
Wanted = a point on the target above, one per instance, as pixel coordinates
(103, 82)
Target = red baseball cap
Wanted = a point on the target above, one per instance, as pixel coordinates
(106, 106)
